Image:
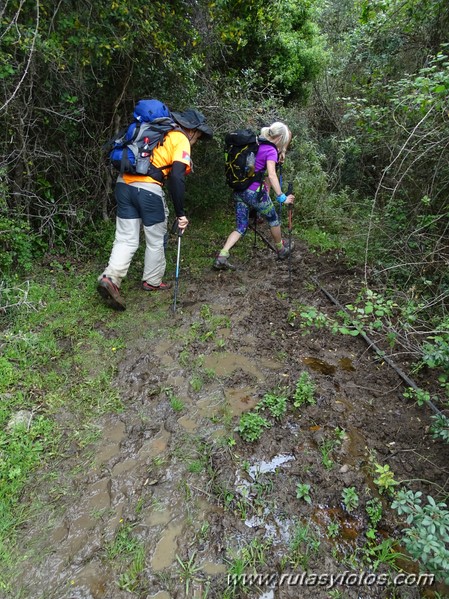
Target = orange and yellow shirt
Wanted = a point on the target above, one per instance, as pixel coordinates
(175, 148)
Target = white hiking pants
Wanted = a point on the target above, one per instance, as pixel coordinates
(127, 233)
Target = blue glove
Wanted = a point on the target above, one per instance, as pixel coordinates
(281, 198)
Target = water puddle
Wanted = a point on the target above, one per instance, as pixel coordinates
(161, 350)
(210, 405)
(188, 424)
(357, 444)
(158, 518)
(326, 368)
(166, 548)
(212, 569)
(115, 433)
(124, 466)
(93, 578)
(156, 446)
(277, 529)
(244, 480)
(241, 400)
(262, 466)
(346, 364)
(320, 365)
(226, 363)
(349, 528)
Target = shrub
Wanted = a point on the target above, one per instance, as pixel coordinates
(427, 538)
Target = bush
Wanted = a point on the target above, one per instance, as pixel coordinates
(427, 538)
(16, 245)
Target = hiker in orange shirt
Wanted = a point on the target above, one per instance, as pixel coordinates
(141, 200)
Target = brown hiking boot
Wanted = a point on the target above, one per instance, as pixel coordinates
(162, 287)
(110, 292)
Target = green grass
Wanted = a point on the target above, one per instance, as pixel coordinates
(319, 239)
(60, 352)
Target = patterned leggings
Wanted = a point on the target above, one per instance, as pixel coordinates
(245, 200)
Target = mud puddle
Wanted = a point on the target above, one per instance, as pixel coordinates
(171, 501)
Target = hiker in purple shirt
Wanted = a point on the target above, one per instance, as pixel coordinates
(257, 196)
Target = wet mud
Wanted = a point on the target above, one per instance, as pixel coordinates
(170, 496)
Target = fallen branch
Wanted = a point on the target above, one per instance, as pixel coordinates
(377, 349)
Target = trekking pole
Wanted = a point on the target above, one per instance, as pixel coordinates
(290, 211)
(175, 228)
(280, 183)
(255, 231)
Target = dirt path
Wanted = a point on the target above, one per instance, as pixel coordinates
(171, 499)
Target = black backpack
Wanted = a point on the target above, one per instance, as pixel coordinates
(131, 151)
(240, 152)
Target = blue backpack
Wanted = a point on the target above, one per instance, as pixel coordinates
(131, 152)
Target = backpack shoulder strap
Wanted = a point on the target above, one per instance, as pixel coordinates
(263, 140)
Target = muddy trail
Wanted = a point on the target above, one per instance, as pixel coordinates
(172, 501)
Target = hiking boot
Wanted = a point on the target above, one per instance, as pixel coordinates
(285, 251)
(221, 263)
(162, 287)
(110, 292)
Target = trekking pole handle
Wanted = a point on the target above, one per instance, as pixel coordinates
(175, 228)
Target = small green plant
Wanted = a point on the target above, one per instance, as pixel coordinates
(130, 579)
(237, 567)
(303, 544)
(436, 353)
(275, 404)
(326, 447)
(184, 358)
(303, 492)
(419, 395)
(255, 552)
(241, 508)
(440, 427)
(311, 317)
(251, 426)
(196, 466)
(176, 404)
(385, 481)
(427, 536)
(381, 553)
(230, 442)
(158, 461)
(196, 382)
(350, 499)
(340, 435)
(371, 309)
(188, 572)
(304, 391)
(333, 530)
(124, 543)
(374, 510)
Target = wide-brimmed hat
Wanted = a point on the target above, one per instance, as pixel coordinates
(193, 119)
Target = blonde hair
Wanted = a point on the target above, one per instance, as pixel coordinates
(279, 134)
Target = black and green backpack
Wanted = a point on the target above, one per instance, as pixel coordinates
(240, 151)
